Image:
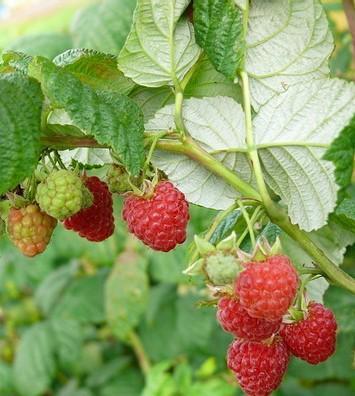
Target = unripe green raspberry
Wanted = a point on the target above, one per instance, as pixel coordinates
(62, 194)
(118, 179)
(221, 269)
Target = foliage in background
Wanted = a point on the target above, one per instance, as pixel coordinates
(58, 335)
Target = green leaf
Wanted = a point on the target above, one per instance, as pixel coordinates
(159, 326)
(96, 69)
(194, 324)
(168, 267)
(104, 26)
(16, 60)
(343, 305)
(113, 119)
(83, 300)
(160, 382)
(341, 152)
(88, 157)
(108, 371)
(20, 124)
(275, 59)
(34, 365)
(219, 31)
(206, 81)
(345, 212)
(129, 383)
(42, 44)
(126, 294)
(50, 290)
(6, 380)
(225, 227)
(68, 338)
(160, 48)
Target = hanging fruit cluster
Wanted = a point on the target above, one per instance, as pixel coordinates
(263, 304)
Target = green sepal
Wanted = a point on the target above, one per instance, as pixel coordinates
(228, 243)
(195, 268)
(204, 247)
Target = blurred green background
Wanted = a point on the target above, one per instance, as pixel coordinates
(54, 337)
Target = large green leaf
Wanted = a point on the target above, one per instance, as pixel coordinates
(288, 43)
(103, 26)
(34, 365)
(20, 124)
(113, 119)
(160, 48)
(96, 69)
(128, 383)
(342, 153)
(126, 294)
(220, 32)
(83, 300)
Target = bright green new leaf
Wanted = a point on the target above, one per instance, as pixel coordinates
(161, 47)
(220, 32)
(113, 119)
(126, 293)
(20, 128)
(34, 365)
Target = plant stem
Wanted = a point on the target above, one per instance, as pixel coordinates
(179, 121)
(193, 151)
(138, 348)
(252, 150)
(248, 221)
(334, 273)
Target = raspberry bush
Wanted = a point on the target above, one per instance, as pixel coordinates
(208, 151)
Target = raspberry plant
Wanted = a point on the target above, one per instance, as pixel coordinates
(222, 104)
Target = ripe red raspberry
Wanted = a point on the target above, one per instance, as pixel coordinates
(266, 289)
(259, 367)
(30, 229)
(236, 320)
(95, 223)
(159, 221)
(312, 339)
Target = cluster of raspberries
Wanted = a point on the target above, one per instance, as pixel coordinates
(84, 205)
(260, 353)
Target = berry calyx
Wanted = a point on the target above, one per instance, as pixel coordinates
(235, 319)
(266, 289)
(95, 223)
(30, 229)
(259, 367)
(313, 338)
(62, 194)
(160, 220)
